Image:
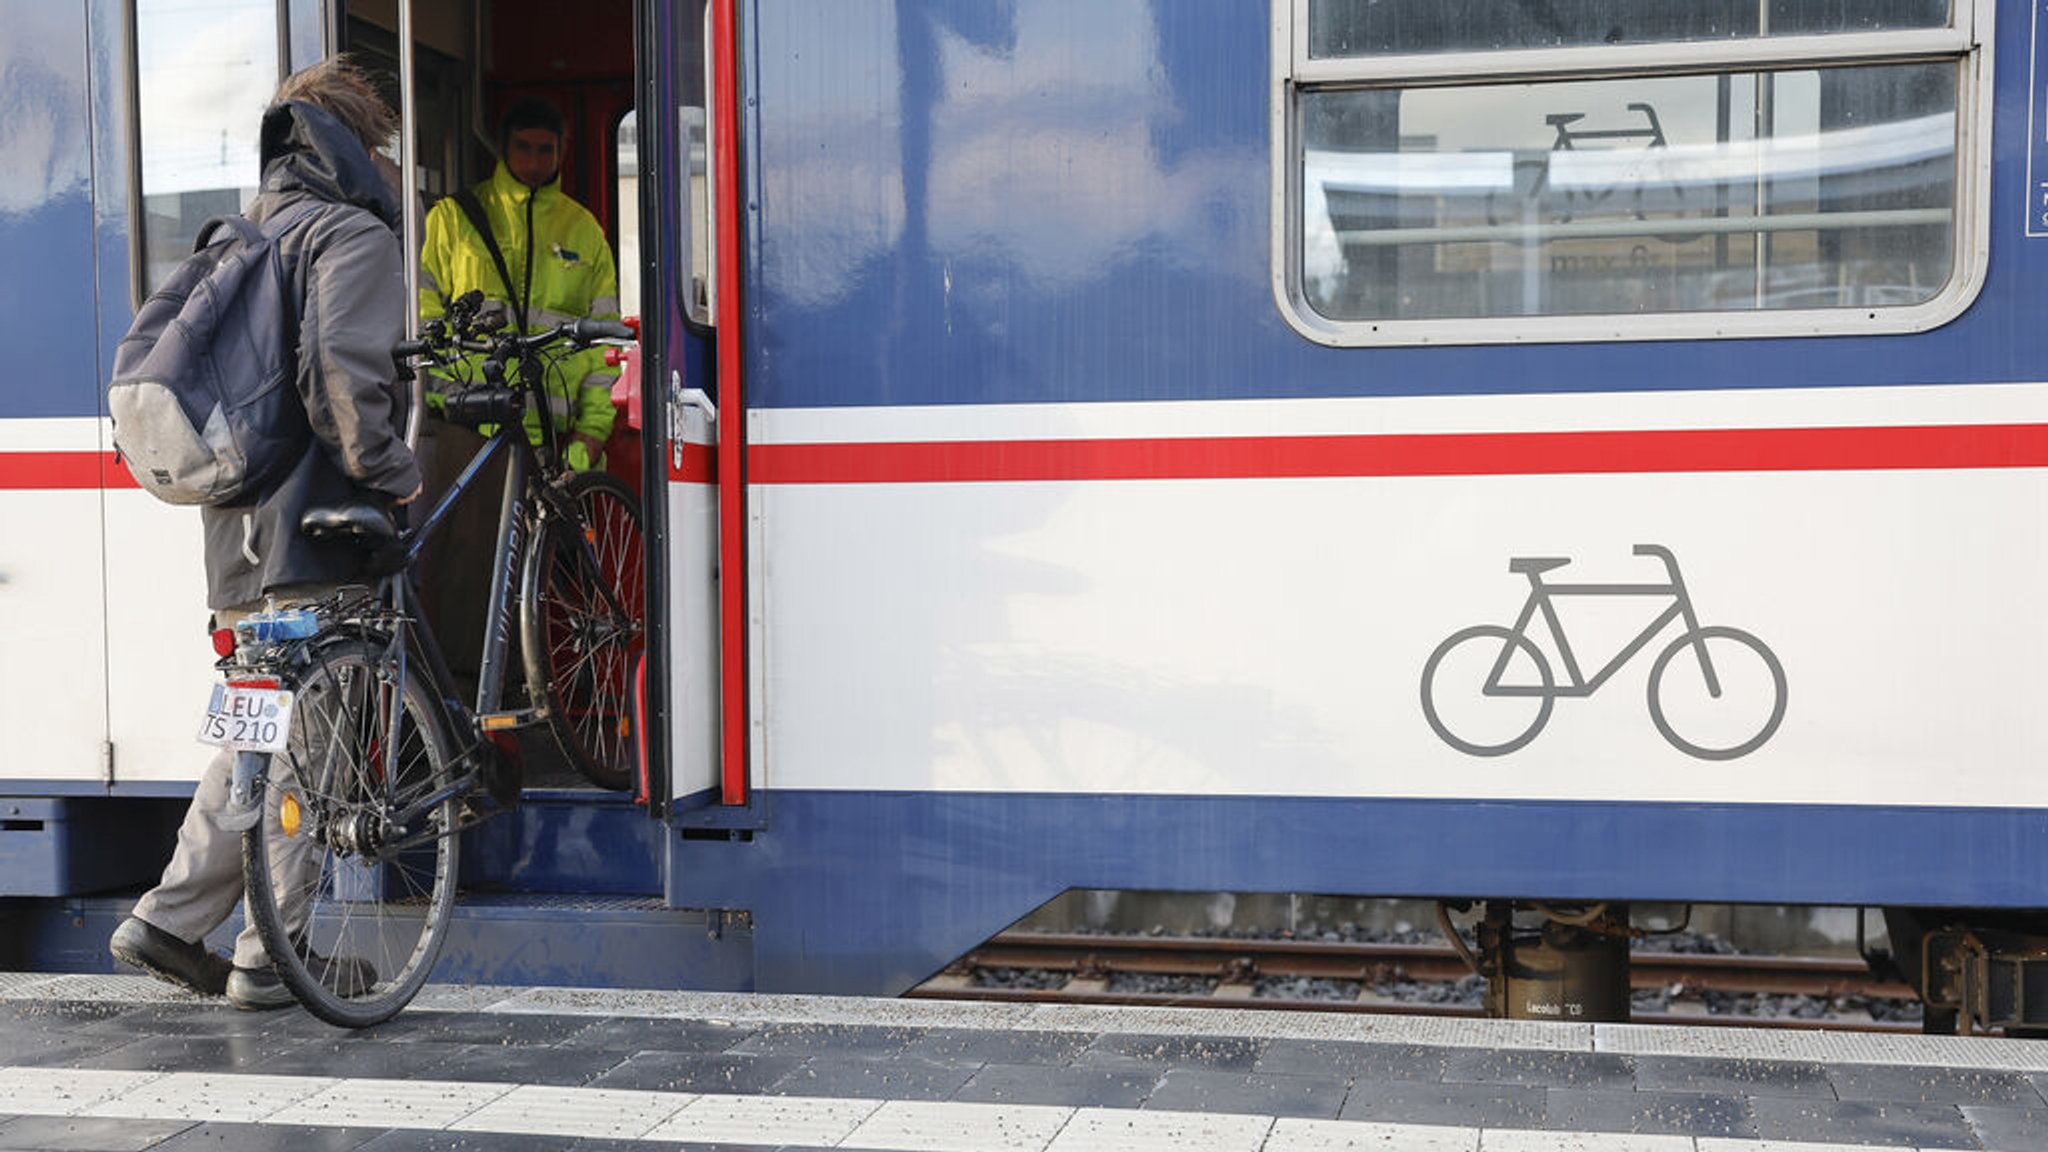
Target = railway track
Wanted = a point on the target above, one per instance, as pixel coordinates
(1354, 976)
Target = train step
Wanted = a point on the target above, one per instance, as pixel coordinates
(579, 940)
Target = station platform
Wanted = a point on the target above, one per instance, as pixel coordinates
(120, 1062)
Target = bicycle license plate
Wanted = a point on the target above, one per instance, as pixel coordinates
(247, 719)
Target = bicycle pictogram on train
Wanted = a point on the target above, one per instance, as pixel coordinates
(1730, 709)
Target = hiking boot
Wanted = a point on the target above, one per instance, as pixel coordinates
(260, 989)
(140, 944)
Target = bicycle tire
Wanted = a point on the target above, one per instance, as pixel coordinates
(392, 914)
(579, 652)
(1546, 691)
(1701, 636)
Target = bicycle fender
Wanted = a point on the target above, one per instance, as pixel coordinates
(245, 793)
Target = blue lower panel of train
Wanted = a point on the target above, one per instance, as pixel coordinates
(873, 893)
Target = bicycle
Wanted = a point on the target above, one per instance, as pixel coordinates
(1537, 682)
(357, 767)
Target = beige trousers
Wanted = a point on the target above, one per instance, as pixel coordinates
(203, 881)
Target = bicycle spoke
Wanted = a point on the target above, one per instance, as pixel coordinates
(585, 600)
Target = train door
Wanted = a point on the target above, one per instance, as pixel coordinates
(680, 293)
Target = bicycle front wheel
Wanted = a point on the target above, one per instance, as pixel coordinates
(352, 899)
(582, 622)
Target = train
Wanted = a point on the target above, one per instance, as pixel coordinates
(1536, 456)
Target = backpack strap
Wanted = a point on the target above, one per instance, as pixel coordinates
(273, 228)
(474, 209)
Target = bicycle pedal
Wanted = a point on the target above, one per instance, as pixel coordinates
(468, 814)
(507, 721)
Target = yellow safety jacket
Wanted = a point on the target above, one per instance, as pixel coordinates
(553, 244)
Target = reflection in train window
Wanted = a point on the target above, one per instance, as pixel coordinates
(204, 73)
(1341, 28)
(1812, 188)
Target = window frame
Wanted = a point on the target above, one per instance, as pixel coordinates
(1966, 42)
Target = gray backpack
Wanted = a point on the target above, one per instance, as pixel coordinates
(204, 394)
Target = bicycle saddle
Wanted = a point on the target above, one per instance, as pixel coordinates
(1536, 565)
(361, 522)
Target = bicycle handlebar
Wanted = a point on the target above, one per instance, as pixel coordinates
(461, 330)
(591, 331)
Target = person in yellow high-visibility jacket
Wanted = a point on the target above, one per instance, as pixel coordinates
(558, 261)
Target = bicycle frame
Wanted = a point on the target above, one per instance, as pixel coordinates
(505, 558)
(1577, 684)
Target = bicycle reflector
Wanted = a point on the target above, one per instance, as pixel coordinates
(223, 641)
(288, 814)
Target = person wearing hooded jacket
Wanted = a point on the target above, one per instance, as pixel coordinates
(343, 257)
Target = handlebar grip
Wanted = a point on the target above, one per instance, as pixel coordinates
(588, 330)
(407, 349)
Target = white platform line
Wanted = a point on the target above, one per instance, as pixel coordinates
(822, 1122)
(228, 1097)
(609, 1113)
(1501, 1140)
(391, 1103)
(1291, 1135)
(1510, 1035)
(63, 1091)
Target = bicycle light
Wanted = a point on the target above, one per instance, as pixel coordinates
(223, 641)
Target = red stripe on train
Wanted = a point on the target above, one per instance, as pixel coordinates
(694, 464)
(1942, 446)
(20, 470)
(1434, 454)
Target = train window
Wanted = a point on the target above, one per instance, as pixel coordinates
(627, 156)
(696, 189)
(1340, 28)
(1808, 195)
(205, 70)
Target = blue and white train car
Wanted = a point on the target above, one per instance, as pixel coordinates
(1568, 452)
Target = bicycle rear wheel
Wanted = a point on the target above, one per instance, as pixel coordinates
(582, 621)
(353, 905)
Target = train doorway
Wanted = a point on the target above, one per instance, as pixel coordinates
(473, 62)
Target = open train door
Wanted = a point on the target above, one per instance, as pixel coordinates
(678, 273)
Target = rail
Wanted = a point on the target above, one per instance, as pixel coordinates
(1224, 972)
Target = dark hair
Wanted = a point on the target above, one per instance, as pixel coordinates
(528, 113)
(338, 87)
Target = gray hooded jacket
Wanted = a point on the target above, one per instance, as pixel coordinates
(346, 269)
